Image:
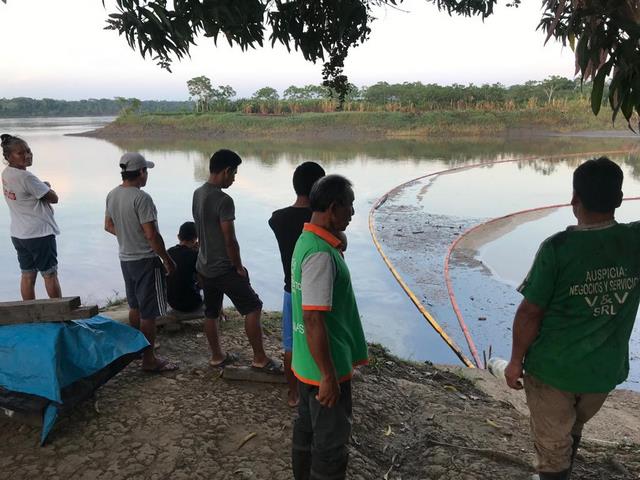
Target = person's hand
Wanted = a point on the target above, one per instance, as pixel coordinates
(242, 272)
(329, 391)
(513, 374)
(169, 266)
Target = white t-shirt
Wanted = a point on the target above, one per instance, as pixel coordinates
(31, 217)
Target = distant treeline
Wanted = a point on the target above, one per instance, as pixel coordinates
(409, 97)
(48, 107)
(391, 97)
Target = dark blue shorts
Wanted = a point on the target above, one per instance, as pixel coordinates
(37, 254)
(146, 286)
(234, 286)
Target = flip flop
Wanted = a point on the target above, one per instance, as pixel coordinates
(163, 365)
(271, 367)
(228, 360)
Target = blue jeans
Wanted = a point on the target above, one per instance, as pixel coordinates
(320, 435)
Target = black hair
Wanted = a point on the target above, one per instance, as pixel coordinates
(223, 159)
(598, 185)
(187, 232)
(305, 176)
(130, 175)
(8, 142)
(330, 189)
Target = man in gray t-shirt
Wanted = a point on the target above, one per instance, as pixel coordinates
(132, 217)
(219, 264)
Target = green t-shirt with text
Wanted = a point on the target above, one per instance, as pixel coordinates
(586, 280)
(320, 281)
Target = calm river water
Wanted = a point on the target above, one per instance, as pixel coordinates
(82, 171)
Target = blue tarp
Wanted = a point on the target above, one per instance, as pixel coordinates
(43, 358)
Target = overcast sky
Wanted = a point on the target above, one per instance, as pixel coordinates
(58, 49)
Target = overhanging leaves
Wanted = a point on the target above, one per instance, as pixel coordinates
(608, 33)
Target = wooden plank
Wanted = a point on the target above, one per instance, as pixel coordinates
(21, 312)
(40, 317)
(233, 372)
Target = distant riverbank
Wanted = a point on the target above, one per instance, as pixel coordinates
(345, 125)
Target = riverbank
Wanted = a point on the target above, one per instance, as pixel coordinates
(350, 125)
(411, 420)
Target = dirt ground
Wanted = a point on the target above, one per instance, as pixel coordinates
(411, 421)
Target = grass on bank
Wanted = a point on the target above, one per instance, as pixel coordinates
(573, 117)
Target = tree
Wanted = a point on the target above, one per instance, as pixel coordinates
(224, 93)
(266, 94)
(201, 91)
(554, 84)
(605, 35)
(128, 106)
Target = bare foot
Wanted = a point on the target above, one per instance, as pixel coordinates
(292, 399)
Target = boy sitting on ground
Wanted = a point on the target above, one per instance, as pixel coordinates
(183, 291)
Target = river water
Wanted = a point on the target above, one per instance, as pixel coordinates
(82, 170)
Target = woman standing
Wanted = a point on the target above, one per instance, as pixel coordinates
(33, 228)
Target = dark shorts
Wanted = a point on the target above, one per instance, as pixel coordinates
(234, 286)
(146, 286)
(37, 254)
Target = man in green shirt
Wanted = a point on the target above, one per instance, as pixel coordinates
(328, 340)
(571, 331)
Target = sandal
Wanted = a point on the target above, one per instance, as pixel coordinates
(228, 360)
(162, 365)
(271, 367)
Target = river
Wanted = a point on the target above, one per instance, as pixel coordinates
(82, 170)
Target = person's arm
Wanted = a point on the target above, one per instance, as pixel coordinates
(526, 326)
(50, 196)
(232, 246)
(109, 226)
(316, 334)
(39, 189)
(156, 243)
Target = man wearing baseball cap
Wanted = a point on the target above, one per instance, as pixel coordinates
(132, 217)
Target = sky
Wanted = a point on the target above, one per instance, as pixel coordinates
(59, 49)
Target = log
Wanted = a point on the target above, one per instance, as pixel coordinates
(248, 374)
(13, 317)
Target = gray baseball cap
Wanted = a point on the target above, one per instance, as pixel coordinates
(133, 161)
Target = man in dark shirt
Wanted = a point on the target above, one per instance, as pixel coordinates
(287, 225)
(219, 265)
(183, 292)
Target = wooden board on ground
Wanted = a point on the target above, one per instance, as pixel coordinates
(46, 310)
(233, 372)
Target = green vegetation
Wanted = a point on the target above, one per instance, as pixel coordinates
(93, 107)
(412, 97)
(565, 116)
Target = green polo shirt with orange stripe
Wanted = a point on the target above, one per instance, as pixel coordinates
(320, 281)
